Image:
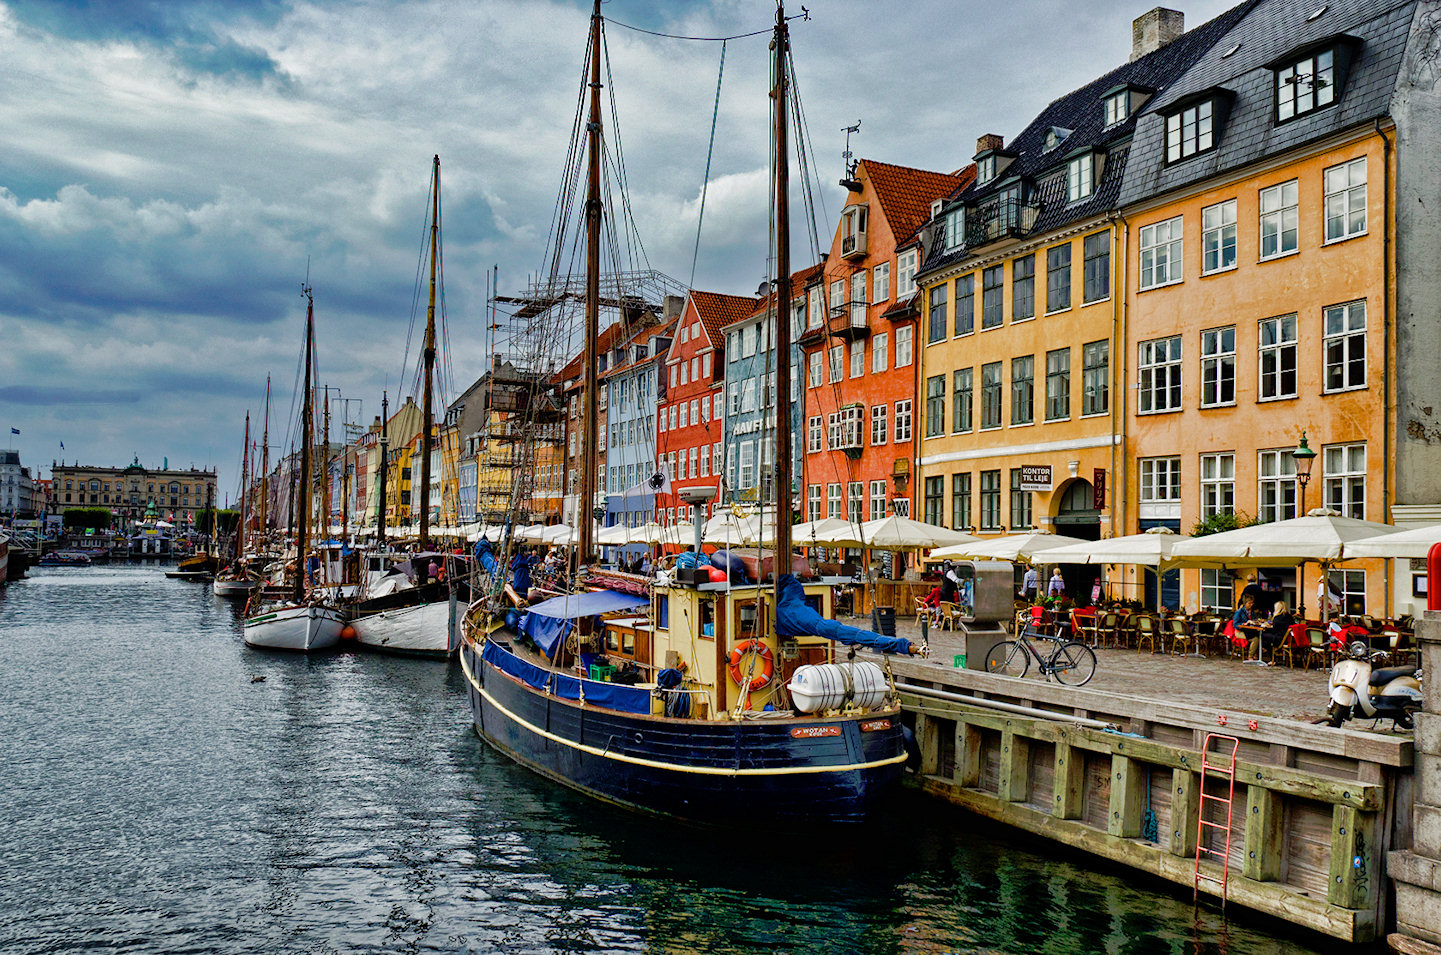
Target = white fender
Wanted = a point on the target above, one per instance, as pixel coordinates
(1343, 696)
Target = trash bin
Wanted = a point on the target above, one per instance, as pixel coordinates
(884, 621)
(979, 643)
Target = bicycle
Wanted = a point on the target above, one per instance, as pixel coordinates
(1072, 663)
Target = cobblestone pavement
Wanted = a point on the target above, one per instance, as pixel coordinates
(1274, 691)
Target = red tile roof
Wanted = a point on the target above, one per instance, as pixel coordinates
(717, 310)
(906, 194)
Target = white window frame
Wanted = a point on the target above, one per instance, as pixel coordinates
(1218, 484)
(1273, 350)
(905, 337)
(1218, 237)
(879, 423)
(878, 500)
(1218, 366)
(817, 373)
(1218, 590)
(1345, 187)
(858, 301)
(813, 434)
(903, 421)
(1275, 485)
(813, 502)
(1280, 218)
(881, 282)
(837, 363)
(1160, 480)
(1344, 326)
(906, 274)
(1117, 107)
(858, 358)
(1191, 131)
(1344, 489)
(1162, 254)
(1080, 172)
(833, 500)
(1161, 383)
(880, 352)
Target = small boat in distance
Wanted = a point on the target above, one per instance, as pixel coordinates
(65, 558)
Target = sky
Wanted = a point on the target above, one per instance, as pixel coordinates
(174, 170)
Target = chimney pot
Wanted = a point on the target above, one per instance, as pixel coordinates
(990, 141)
(1154, 29)
(674, 305)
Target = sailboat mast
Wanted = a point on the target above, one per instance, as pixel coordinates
(782, 466)
(589, 395)
(244, 525)
(384, 467)
(426, 441)
(302, 522)
(265, 467)
(325, 472)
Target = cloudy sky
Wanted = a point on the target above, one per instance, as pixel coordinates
(172, 168)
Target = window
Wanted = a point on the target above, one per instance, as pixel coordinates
(938, 314)
(858, 358)
(1346, 200)
(986, 169)
(1058, 278)
(1218, 367)
(955, 226)
(813, 434)
(833, 500)
(881, 282)
(855, 501)
(880, 352)
(992, 299)
(990, 500)
(1190, 131)
(1345, 346)
(1161, 253)
(933, 500)
(961, 399)
(1306, 85)
(1218, 484)
(837, 362)
(838, 296)
(991, 395)
(903, 346)
(845, 428)
(684, 415)
(813, 502)
(1278, 358)
(1161, 375)
(1118, 107)
(1023, 288)
(750, 337)
(858, 298)
(906, 274)
(1023, 389)
(878, 500)
(961, 501)
(1279, 217)
(748, 395)
(1097, 269)
(935, 406)
(813, 315)
(1078, 177)
(1020, 502)
(747, 464)
(1218, 592)
(717, 411)
(903, 421)
(1346, 479)
(817, 377)
(1276, 492)
(1095, 378)
(1218, 237)
(1350, 587)
(878, 423)
(1160, 480)
(1058, 384)
(966, 304)
(901, 507)
(705, 460)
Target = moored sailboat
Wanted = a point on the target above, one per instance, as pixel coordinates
(624, 693)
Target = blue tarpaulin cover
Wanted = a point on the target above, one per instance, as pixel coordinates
(548, 622)
(795, 619)
(610, 696)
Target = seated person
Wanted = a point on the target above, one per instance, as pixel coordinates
(1244, 612)
(932, 599)
(1277, 627)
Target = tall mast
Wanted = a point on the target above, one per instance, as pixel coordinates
(244, 525)
(589, 394)
(782, 468)
(302, 522)
(426, 442)
(325, 473)
(384, 467)
(265, 466)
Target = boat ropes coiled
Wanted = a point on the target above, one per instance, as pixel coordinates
(767, 661)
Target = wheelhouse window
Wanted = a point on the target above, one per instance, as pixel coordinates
(1191, 131)
(1306, 85)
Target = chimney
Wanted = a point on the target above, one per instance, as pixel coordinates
(1154, 29)
(990, 141)
(674, 305)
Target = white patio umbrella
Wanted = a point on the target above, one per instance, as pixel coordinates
(1321, 536)
(726, 529)
(559, 534)
(827, 532)
(531, 532)
(1414, 544)
(1151, 549)
(1013, 547)
(614, 536)
(679, 535)
(902, 533)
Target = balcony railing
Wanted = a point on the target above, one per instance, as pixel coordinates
(1003, 219)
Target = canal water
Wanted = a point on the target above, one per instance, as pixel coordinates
(165, 789)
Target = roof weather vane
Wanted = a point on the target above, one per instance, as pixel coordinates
(847, 155)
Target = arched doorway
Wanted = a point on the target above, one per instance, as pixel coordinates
(1077, 516)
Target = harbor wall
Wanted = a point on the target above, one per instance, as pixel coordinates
(1314, 813)
(1415, 869)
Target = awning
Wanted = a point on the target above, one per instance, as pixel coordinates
(571, 606)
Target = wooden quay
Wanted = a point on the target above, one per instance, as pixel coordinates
(1314, 812)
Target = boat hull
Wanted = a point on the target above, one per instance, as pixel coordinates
(306, 629)
(234, 588)
(778, 771)
(422, 630)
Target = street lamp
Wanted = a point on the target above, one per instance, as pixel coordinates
(1304, 458)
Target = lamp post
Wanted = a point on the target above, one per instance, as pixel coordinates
(1304, 458)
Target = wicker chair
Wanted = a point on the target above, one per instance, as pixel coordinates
(1182, 635)
(1086, 628)
(1146, 629)
(1108, 628)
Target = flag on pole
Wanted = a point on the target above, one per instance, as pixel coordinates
(62, 445)
(14, 430)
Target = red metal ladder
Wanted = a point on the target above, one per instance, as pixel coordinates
(1225, 769)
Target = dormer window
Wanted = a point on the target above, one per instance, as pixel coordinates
(956, 228)
(853, 231)
(1306, 85)
(986, 168)
(1055, 136)
(1118, 106)
(1080, 173)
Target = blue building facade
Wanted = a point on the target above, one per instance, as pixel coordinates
(628, 440)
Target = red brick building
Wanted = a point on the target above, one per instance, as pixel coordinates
(859, 346)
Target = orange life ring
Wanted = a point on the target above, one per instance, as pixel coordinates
(768, 663)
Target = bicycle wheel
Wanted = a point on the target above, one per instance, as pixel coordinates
(1073, 664)
(1008, 658)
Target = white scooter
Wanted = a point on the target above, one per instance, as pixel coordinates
(1359, 691)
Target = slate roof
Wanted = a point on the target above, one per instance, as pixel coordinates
(799, 281)
(717, 310)
(604, 342)
(1269, 30)
(906, 194)
(644, 336)
(1081, 111)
